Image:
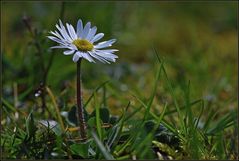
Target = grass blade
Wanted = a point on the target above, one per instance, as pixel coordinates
(114, 139)
(149, 137)
(183, 107)
(100, 145)
(98, 120)
(223, 123)
(170, 89)
(96, 89)
(149, 104)
(59, 118)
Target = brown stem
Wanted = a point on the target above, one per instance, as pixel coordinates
(80, 112)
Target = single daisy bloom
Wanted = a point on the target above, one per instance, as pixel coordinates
(82, 43)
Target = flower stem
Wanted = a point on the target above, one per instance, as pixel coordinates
(80, 112)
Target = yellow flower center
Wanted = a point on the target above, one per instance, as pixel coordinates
(83, 45)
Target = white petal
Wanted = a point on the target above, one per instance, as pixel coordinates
(70, 46)
(64, 35)
(57, 40)
(112, 59)
(79, 53)
(68, 52)
(73, 47)
(105, 44)
(109, 50)
(91, 33)
(79, 28)
(76, 57)
(57, 35)
(86, 30)
(71, 31)
(106, 55)
(101, 59)
(63, 31)
(72, 28)
(97, 37)
(58, 47)
(86, 56)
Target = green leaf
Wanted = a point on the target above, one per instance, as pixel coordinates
(80, 149)
(104, 114)
(91, 122)
(72, 115)
(113, 120)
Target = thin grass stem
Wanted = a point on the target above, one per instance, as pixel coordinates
(56, 107)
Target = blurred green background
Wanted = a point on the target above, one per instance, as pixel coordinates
(198, 40)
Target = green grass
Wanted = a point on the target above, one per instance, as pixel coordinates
(172, 94)
(125, 137)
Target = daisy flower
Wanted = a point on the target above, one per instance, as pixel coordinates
(82, 43)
